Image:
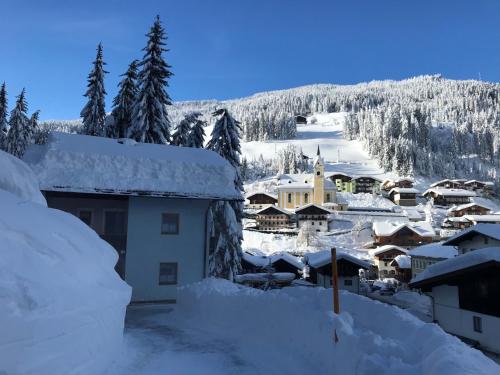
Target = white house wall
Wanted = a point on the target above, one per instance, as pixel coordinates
(476, 242)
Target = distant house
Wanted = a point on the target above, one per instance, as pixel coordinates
(314, 217)
(402, 234)
(456, 223)
(476, 237)
(426, 255)
(402, 265)
(366, 184)
(448, 197)
(403, 196)
(280, 262)
(343, 182)
(297, 190)
(404, 182)
(348, 266)
(483, 219)
(301, 120)
(383, 257)
(449, 184)
(273, 218)
(259, 200)
(465, 292)
(483, 187)
(468, 209)
(142, 199)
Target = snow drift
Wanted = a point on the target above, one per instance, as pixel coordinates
(63, 306)
(290, 331)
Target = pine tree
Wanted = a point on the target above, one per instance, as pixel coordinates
(181, 134)
(224, 258)
(123, 103)
(94, 113)
(3, 117)
(197, 132)
(150, 122)
(33, 126)
(19, 128)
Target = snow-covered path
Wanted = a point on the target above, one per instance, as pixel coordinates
(154, 344)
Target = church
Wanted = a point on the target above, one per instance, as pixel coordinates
(298, 190)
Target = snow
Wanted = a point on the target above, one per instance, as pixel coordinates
(383, 249)
(483, 218)
(322, 258)
(365, 200)
(434, 250)
(264, 277)
(460, 262)
(403, 261)
(490, 230)
(221, 328)
(63, 305)
(387, 228)
(404, 190)
(271, 208)
(82, 163)
(467, 205)
(17, 178)
(262, 260)
(451, 192)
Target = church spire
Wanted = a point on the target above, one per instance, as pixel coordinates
(318, 153)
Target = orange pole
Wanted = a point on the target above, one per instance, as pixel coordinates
(335, 282)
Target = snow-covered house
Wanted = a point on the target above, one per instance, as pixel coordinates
(259, 200)
(468, 209)
(366, 184)
(313, 217)
(150, 202)
(348, 266)
(342, 181)
(476, 237)
(426, 255)
(402, 234)
(483, 187)
(447, 197)
(403, 182)
(383, 257)
(403, 196)
(273, 218)
(482, 219)
(448, 184)
(297, 190)
(465, 292)
(402, 265)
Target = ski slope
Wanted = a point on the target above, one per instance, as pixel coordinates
(325, 130)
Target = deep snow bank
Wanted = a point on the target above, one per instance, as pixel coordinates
(62, 304)
(290, 331)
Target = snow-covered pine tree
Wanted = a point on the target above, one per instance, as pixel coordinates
(33, 126)
(181, 134)
(197, 132)
(123, 103)
(19, 128)
(3, 117)
(225, 255)
(150, 122)
(94, 114)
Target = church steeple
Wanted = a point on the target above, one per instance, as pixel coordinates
(318, 153)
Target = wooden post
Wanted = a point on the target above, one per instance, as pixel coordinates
(335, 282)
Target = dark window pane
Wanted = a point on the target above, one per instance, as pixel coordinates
(86, 217)
(170, 223)
(168, 274)
(115, 223)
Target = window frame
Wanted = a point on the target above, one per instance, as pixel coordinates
(114, 210)
(160, 283)
(91, 215)
(178, 221)
(477, 324)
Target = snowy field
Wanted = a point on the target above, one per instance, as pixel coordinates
(222, 328)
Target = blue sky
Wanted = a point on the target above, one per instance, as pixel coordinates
(233, 48)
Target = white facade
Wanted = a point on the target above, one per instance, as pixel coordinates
(479, 241)
(313, 225)
(351, 284)
(460, 322)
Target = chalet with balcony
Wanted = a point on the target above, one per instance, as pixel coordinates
(343, 182)
(366, 184)
(426, 255)
(468, 209)
(313, 217)
(260, 200)
(403, 196)
(402, 234)
(448, 197)
(476, 237)
(140, 198)
(482, 187)
(383, 257)
(273, 218)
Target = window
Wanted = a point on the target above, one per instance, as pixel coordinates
(115, 223)
(306, 197)
(348, 282)
(168, 274)
(289, 198)
(312, 222)
(320, 223)
(328, 197)
(486, 240)
(85, 216)
(318, 173)
(170, 224)
(478, 324)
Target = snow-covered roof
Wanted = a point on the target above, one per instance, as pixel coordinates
(489, 230)
(388, 228)
(302, 181)
(262, 261)
(434, 250)
(465, 206)
(326, 210)
(363, 176)
(413, 213)
(403, 190)
(451, 192)
(403, 261)
(483, 218)
(487, 183)
(385, 248)
(274, 196)
(461, 262)
(86, 164)
(322, 258)
(282, 210)
(459, 219)
(440, 182)
(265, 277)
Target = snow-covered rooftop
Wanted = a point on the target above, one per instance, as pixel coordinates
(326, 210)
(451, 192)
(404, 190)
(384, 248)
(490, 230)
(483, 218)
(434, 250)
(249, 195)
(465, 206)
(262, 261)
(388, 228)
(85, 164)
(322, 258)
(301, 181)
(270, 208)
(470, 259)
(403, 261)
